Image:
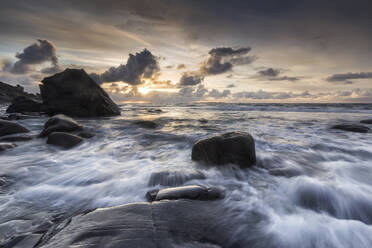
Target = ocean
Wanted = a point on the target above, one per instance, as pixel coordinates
(311, 187)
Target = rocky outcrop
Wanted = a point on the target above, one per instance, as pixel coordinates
(174, 177)
(164, 224)
(8, 127)
(23, 104)
(60, 123)
(234, 147)
(64, 140)
(351, 128)
(368, 121)
(9, 92)
(73, 92)
(6, 146)
(192, 192)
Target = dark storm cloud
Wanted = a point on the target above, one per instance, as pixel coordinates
(222, 59)
(346, 77)
(143, 65)
(37, 53)
(270, 72)
(191, 79)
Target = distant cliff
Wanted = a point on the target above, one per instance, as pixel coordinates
(9, 92)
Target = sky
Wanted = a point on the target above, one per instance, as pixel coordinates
(195, 50)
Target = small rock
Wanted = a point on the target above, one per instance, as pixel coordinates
(202, 120)
(60, 123)
(235, 147)
(64, 140)
(16, 137)
(192, 192)
(6, 146)
(154, 111)
(368, 121)
(174, 177)
(23, 104)
(352, 128)
(146, 124)
(8, 127)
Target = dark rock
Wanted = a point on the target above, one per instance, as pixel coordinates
(151, 195)
(64, 140)
(27, 240)
(9, 92)
(174, 177)
(24, 104)
(16, 137)
(146, 124)
(8, 127)
(60, 123)
(235, 147)
(192, 192)
(368, 121)
(165, 224)
(73, 92)
(352, 128)
(85, 135)
(24, 116)
(6, 146)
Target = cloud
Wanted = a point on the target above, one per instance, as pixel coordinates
(143, 65)
(222, 59)
(214, 93)
(347, 77)
(181, 66)
(35, 54)
(190, 79)
(272, 74)
(266, 95)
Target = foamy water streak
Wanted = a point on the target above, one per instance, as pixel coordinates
(312, 186)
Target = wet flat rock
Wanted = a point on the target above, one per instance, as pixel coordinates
(174, 177)
(351, 128)
(368, 121)
(165, 224)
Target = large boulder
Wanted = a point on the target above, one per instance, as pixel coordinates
(8, 127)
(234, 147)
(352, 128)
(60, 123)
(64, 140)
(23, 104)
(164, 224)
(73, 92)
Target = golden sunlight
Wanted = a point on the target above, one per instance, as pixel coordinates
(143, 90)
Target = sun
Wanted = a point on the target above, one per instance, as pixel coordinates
(143, 90)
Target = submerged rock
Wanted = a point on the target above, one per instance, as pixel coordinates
(23, 104)
(192, 192)
(64, 140)
(156, 111)
(234, 147)
(6, 146)
(60, 123)
(146, 124)
(368, 121)
(174, 177)
(352, 128)
(8, 127)
(73, 92)
(165, 224)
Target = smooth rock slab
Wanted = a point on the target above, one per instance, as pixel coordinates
(8, 127)
(159, 225)
(60, 123)
(64, 140)
(352, 128)
(192, 192)
(174, 177)
(234, 147)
